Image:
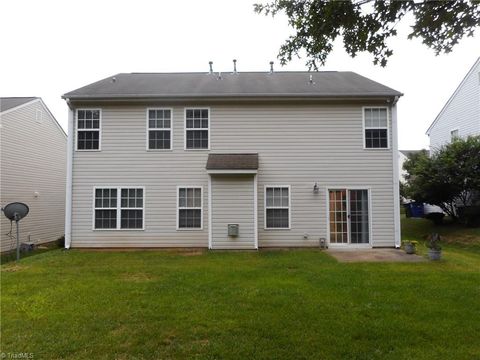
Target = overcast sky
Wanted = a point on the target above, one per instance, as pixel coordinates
(52, 47)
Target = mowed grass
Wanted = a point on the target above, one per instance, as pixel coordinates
(299, 304)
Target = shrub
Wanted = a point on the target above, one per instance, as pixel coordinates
(436, 217)
(470, 215)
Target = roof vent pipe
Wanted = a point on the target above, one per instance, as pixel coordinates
(234, 66)
(211, 66)
(311, 80)
(271, 67)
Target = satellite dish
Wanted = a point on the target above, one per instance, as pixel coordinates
(16, 211)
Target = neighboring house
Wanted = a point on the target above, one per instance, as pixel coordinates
(403, 155)
(460, 117)
(189, 159)
(33, 169)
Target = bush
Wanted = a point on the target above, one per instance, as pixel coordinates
(470, 215)
(436, 217)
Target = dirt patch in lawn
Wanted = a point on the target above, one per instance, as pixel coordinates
(374, 255)
(14, 268)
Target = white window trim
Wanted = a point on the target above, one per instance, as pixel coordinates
(193, 208)
(277, 207)
(185, 126)
(118, 207)
(147, 145)
(458, 134)
(364, 127)
(370, 219)
(100, 122)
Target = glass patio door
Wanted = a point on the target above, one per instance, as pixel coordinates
(348, 213)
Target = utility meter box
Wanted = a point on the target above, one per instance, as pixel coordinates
(233, 230)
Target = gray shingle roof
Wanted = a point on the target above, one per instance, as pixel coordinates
(7, 103)
(232, 162)
(243, 84)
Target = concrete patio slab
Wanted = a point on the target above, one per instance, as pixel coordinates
(373, 255)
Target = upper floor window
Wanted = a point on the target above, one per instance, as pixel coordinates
(88, 129)
(454, 135)
(159, 129)
(197, 125)
(375, 128)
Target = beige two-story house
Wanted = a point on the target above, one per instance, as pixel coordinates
(233, 161)
(32, 170)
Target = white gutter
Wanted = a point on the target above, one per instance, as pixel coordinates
(68, 197)
(396, 176)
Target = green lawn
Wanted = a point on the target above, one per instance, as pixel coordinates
(298, 304)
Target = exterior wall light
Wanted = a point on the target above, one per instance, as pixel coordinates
(316, 188)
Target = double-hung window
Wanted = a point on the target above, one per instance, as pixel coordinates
(277, 207)
(105, 208)
(454, 135)
(189, 210)
(88, 129)
(119, 208)
(375, 128)
(197, 128)
(159, 129)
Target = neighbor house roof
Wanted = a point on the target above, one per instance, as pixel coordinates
(330, 84)
(7, 103)
(232, 162)
(407, 153)
(472, 69)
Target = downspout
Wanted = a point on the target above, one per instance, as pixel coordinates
(396, 175)
(68, 192)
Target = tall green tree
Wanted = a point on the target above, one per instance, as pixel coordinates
(366, 25)
(450, 177)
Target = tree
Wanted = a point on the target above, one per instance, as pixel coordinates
(449, 178)
(366, 25)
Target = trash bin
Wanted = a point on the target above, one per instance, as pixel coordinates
(414, 209)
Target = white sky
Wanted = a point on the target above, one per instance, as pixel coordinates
(51, 47)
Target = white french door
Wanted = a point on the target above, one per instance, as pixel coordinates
(348, 212)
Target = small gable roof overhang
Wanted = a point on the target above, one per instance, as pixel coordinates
(232, 163)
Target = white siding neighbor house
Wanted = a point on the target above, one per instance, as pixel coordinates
(460, 117)
(233, 161)
(33, 170)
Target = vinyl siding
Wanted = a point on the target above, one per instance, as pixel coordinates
(298, 145)
(33, 159)
(462, 112)
(232, 203)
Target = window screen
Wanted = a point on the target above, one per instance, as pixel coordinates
(196, 128)
(277, 207)
(376, 128)
(189, 208)
(159, 129)
(119, 208)
(88, 129)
